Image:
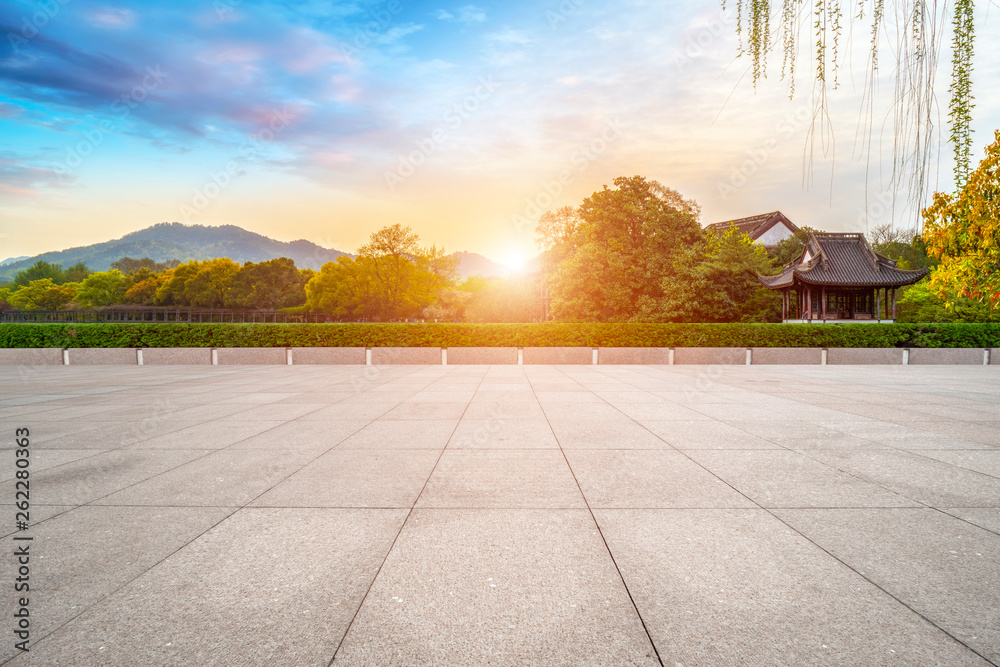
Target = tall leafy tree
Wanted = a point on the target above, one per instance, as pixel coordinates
(40, 270)
(609, 258)
(172, 289)
(963, 232)
(208, 287)
(43, 294)
(268, 285)
(104, 288)
(392, 277)
(77, 273)
(717, 282)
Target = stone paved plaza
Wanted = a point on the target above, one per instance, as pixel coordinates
(535, 515)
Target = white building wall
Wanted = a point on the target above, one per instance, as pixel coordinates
(775, 234)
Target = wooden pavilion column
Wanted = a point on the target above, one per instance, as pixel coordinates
(809, 304)
(893, 304)
(823, 303)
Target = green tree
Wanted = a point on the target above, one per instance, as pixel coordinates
(920, 303)
(43, 294)
(963, 232)
(909, 251)
(346, 288)
(208, 286)
(129, 265)
(77, 273)
(392, 277)
(790, 249)
(104, 288)
(40, 270)
(144, 290)
(717, 282)
(269, 285)
(171, 291)
(607, 260)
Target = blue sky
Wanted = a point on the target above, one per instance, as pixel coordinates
(328, 120)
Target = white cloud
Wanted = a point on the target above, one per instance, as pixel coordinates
(509, 36)
(466, 14)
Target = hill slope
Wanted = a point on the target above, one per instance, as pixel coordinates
(172, 240)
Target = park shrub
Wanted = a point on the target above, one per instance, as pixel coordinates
(23, 335)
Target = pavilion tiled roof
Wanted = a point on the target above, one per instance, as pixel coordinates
(755, 225)
(843, 259)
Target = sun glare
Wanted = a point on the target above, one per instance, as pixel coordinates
(515, 261)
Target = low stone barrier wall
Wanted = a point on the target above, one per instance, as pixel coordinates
(710, 355)
(176, 356)
(639, 356)
(482, 355)
(965, 356)
(394, 356)
(37, 356)
(102, 356)
(251, 356)
(557, 355)
(868, 356)
(328, 355)
(786, 356)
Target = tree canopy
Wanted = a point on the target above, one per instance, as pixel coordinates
(608, 258)
(963, 232)
(393, 277)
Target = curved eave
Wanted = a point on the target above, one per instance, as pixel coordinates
(783, 279)
(904, 278)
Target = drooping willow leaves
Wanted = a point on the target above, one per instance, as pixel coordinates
(914, 29)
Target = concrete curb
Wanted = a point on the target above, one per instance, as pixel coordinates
(481, 355)
(328, 356)
(176, 356)
(558, 355)
(394, 356)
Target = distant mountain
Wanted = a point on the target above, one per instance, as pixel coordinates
(11, 260)
(172, 240)
(474, 264)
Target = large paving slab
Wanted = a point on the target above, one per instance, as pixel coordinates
(691, 514)
(528, 587)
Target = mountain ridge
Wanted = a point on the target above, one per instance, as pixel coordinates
(164, 241)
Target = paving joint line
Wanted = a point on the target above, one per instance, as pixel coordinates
(839, 560)
(600, 531)
(399, 532)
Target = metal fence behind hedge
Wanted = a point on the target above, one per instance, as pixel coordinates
(160, 315)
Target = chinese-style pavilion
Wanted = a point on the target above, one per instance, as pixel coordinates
(840, 277)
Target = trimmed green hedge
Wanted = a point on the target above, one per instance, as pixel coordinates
(498, 335)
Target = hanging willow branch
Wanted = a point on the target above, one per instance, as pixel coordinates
(960, 108)
(918, 26)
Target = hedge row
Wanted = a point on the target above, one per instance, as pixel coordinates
(498, 335)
